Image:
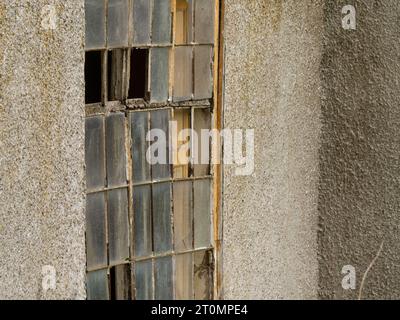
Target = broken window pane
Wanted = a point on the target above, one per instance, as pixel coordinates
(181, 154)
(120, 278)
(117, 23)
(203, 279)
(93, 77)
(139, 129)
(183, 215)
(202, 72)
(118, 226)
(142, 220)
(115, 75)
(163, 278)
(96, 246)
(183, 75)
(97, 285)
(184, 22)
(204, 21)
(159, 119)
(161, 29)
(202, 217)
(95, 24)
(141, 22)
(143, 278)
(162, 217)
(138, 74)
(94, 147)
(184, 276)
(115, 145)
(202, 151)
(159, 80)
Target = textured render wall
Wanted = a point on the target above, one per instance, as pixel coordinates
(41, 148)
(359, 188)
(273, 52)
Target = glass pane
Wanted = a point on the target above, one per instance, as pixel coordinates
(97, 285)
(118, 226)
(184, 277)
(139, 130)
(202, 72)
(159, 74)
(160, 120)
(184, 22)
(202, 217)
(94, 145)
(204, 21)
(141, 21)
(203, 279)
(162, 217)
(95, 24)
(115, 144)
(144, 282)
(181, 147)
(183, 216)
(96, 246)
(121, 282)
(183, 78)
(163, 278)
(161, 31)
(117, 23)
(202, 151)
(142, 222)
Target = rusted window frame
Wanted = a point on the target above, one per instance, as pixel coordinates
(107, 107)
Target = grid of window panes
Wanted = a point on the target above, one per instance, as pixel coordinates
(148, 226)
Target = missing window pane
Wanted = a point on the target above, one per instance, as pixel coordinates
(181, 154)
(93, 76)
(184, 21)
(120, 282)
(138, 74)
(115, 70)
(203, 275)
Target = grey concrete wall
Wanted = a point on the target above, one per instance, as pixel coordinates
(359, 199)
(41, 148)
(272, 83)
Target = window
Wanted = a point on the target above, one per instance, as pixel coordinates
(149, 226)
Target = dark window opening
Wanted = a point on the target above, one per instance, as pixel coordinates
(138, 74)
(93, 77)
(120, 285)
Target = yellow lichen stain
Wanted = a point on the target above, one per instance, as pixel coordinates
(273, 9)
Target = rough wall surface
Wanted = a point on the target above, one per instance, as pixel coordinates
(41, 148)
(273, 53)
(359, 199)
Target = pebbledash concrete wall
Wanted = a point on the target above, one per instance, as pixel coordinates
(42, 183)
(359, 189)
(324, 103)
(272, 85)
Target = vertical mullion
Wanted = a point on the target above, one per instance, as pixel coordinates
(104, 75)
(128, 143)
